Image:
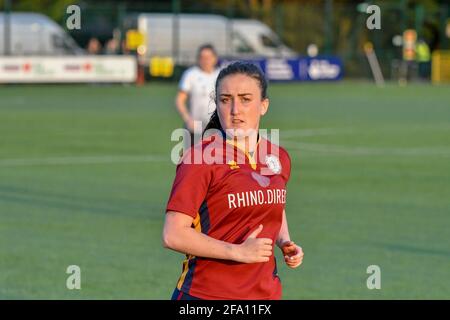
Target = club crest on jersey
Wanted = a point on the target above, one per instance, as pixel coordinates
(273, 163)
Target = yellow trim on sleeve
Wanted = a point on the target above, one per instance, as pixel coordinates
(198, 228)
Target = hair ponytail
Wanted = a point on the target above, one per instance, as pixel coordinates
(214, 122)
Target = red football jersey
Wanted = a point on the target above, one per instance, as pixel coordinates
(228, 200)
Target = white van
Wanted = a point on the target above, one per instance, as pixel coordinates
(36, 34)
(180, 36)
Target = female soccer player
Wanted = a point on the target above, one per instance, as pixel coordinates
(193, 97)
(226, 215)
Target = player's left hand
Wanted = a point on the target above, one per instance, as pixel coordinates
(293, 254)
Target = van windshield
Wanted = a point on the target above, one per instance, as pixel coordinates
(240, 45)
(269, 42)
(64, 43)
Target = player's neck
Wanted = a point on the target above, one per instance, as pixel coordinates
(248, 143)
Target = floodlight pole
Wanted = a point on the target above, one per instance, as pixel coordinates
(229, 26)
(176, 30)
(7, 28)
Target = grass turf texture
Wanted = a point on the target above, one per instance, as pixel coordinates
(370, 184)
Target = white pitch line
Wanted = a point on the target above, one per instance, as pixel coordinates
(292, 133)
(312, 132)
(335, 149)
(81, 160)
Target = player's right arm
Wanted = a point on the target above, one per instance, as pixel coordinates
(179, 235)
(181, 105)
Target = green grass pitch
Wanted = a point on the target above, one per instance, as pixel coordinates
(85, 175)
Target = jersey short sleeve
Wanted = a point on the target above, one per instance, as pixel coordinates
(189, 188)
(186, 81)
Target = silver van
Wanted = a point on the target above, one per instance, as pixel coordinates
(36, 34)
(180, 36)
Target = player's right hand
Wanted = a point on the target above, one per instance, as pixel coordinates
(254, 249)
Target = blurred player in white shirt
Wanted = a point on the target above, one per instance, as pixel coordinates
(195, 90)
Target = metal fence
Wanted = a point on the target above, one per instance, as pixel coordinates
(335, 27)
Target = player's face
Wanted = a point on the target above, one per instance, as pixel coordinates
(207, 60)
(239, 103)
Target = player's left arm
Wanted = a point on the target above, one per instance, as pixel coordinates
(293, 254)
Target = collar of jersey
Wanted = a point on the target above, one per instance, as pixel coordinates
(251, 159)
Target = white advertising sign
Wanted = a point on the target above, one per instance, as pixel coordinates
(67, 69)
